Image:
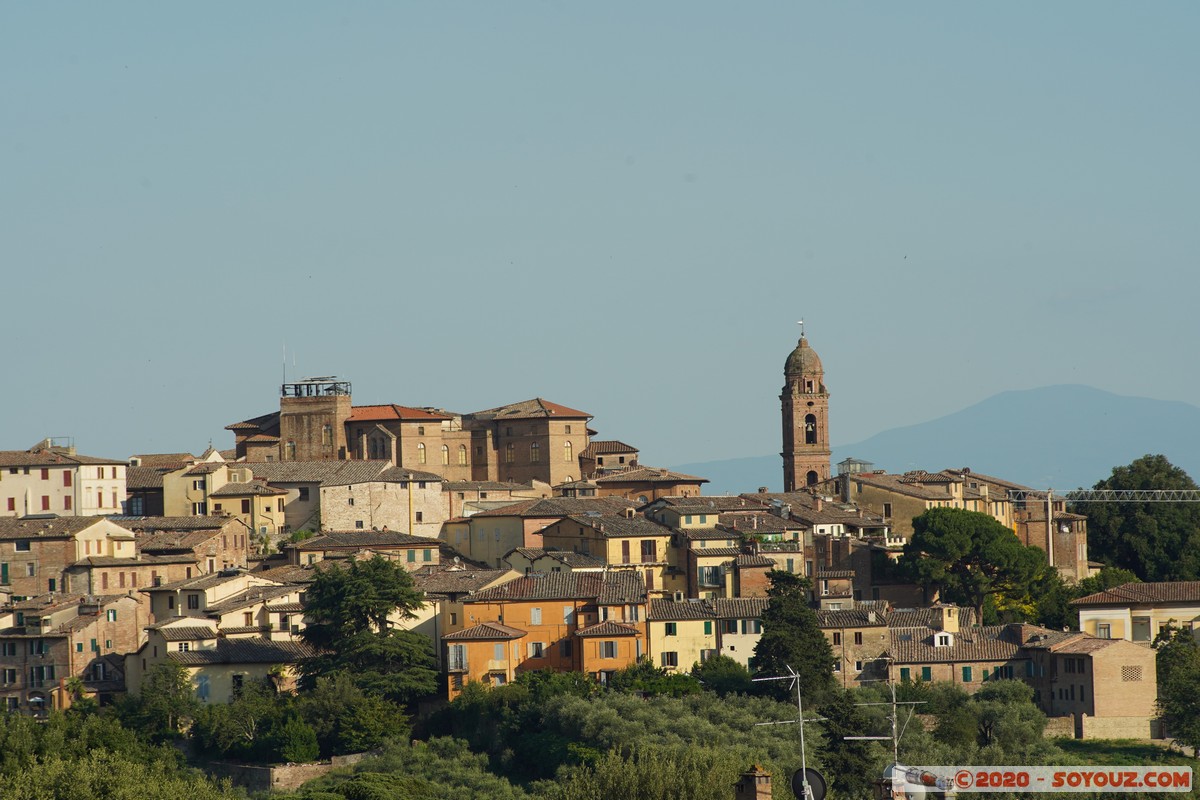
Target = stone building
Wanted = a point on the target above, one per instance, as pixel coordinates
(533, 440)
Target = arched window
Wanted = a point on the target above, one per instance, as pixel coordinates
(462, 455)
(567, 451)
(535, 453)
(445, 454)
(510, 452)
(810, 429)
(421, 453)
(812, 477)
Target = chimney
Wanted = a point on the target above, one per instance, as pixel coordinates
(754, 784)
(762, 490)
(818, 503)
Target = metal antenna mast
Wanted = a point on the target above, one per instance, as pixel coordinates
(794, 677)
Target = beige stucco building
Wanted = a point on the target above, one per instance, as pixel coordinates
(52, 478)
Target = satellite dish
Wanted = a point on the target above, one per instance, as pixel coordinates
(816, 784)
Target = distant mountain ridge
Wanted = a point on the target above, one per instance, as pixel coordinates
(1060, 437)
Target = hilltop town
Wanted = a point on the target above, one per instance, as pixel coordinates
(534, 543)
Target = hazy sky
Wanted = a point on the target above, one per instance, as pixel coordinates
(622, 207)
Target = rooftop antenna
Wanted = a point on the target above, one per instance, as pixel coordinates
(897, 730)
(805, 775)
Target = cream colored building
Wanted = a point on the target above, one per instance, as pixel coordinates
(1138, 612)
(681, 633)
(52, 478)
(397, 499)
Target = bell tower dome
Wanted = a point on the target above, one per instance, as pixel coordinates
(805, 405)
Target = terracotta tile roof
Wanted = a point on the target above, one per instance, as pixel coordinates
(205, 468)
(616, 526)
(969, 475)
(608, 628)
(356, 539)
(739, 607)
(245, 651)
(144, 478)
(549, 507)
(390, 411)
(175, 541)
(529, 409)
(706, 534)
(722, 503)
(321, 472)
(285, 608)
(44, 527)
(198, 582)
(924, 617)
(671, 610)
(185, 633)
(450, 581)
(761, 522)
(647, 475)
(1141, 593)
(835, 573)
(143, 524)
(754, 561)
(623, 587)
(138, 561)
(166, 461)
(984, 643)
(719, 552)
(267, 423)
(403, 475)
(485, 631)
(606, 448)
(249, 597)
(867, 614)
(614, 588)
(251, 489)
(52, 457)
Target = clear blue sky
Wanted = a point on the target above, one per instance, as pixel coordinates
(622, 207)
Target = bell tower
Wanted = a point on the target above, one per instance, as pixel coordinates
(805, 405)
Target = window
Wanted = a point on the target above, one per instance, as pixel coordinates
(709, 576)
(193, 601)
(421, 453)
(184, 647)
(568, 455)
(67, 503)
(926, 673)
(462, 455)
(246, 506)
(535, 453)
(649, 551)
(31, 569)
(412, 556)
(66, 477)
(670, 628)
(111, 615)
(1104, 631)
(535, 616)
(568, 615)
(426, 555)
(22, 546)
(670, 659)
(12, 504)
(510, 451)
(445, 454)
(198, 509)
(564, 648)
(358, 523)
(966, 673)
(858, 637)
(887, 510)
(327, 434)
(708, 627)
(608, 649)
(289, 451)
(170, 601)
(537, 649)
(837, 638)
(1131, 673)
(904, 673)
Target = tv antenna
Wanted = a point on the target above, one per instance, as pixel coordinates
(812, 783)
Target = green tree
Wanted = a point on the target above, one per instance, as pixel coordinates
(346, 719)
(648, 679)
(242, 729)
(1177, 663)
(850, 765)
(792, 638)
(166, 704)
(968, 557)
(723, 675)
(351, 610)
(1156, 541)
(1008, 721)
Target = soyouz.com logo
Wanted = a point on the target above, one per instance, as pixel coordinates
(1057, 779)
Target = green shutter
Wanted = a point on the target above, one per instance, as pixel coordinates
(904, 673)
(412, 556)
(966, 674)
(926, 673)
(708, 627)
(4, 574)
